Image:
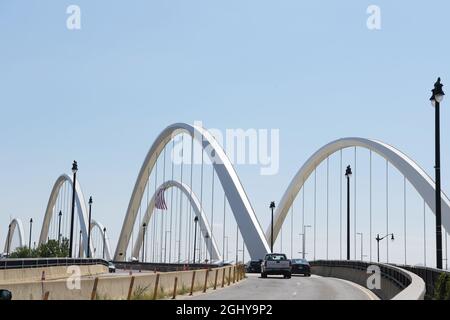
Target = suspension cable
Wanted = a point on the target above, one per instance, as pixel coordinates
(328, 200)
(190, 199)
(212, 211)
(340, 206)
(315, 210)
(181, 200)
(171, 205)
(354, 211)
(404, 212)
(370, 203)
(224, 223)
(387, 210)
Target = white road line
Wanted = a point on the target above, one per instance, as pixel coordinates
(366, 291)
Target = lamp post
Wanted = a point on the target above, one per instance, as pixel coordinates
(348, 174)
(104, 242)
(74, 171)
(8, 240)
(59, 226)
(304, 240)
(272, 207)
(436, 99)
(378, 243)
(79, 244)
(144, 227)
(89, 229)
(195, 236)
(31, 231)
(362, 250)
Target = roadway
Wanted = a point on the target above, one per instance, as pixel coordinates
(296, 288)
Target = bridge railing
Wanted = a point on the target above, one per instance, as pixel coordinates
(394, 282)
(6, 264)
(163, 267)
(429, 275)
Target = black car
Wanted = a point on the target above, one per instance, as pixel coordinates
(300, 266)
(254, 266)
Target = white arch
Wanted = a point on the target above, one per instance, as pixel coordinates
(418, 178)
(15, 223)
(81, 208)
(205, 227)
(100, 227)
(244, 214)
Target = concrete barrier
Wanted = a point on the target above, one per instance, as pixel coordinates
(395, 283)
(117, 287)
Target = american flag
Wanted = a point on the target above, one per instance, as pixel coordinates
(160, 201)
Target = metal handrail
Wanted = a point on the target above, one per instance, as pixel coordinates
(47, 262)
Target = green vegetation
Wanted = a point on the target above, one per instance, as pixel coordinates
(51, 249)
(442, 287)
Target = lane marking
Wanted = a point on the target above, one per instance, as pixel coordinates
(367, 292)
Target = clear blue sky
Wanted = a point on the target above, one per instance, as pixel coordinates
(101, 94)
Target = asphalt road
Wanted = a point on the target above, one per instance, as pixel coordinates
(296, 288)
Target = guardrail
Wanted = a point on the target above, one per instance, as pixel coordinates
(395, 282)
(6, 264)
(429, 275)
(163, 267)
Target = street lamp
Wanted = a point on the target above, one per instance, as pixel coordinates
(378, 242)
(31, 231)
(362, 251)
(8, 244)
(79, 245)
(74, 171)
(144, 227)
(195, 236)
(348, 174)
(304, 240)
(272, 207)
(89, 229)
(436, 99)
(104, 242)
(59, 226)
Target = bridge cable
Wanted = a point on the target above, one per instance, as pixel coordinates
(404, 213)
(163, 215)
(328, 200)
(303, 212)
(171, 205)
(212, 211)
(354, 211)
(292, 230)
(237, 244)
(190, 199)
(387, 210)
(370, 203)
(340, 206)
(201, 201)
(181, 199)
(315, 209)
(224, 223)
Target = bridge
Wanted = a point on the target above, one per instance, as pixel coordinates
(187, 182)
